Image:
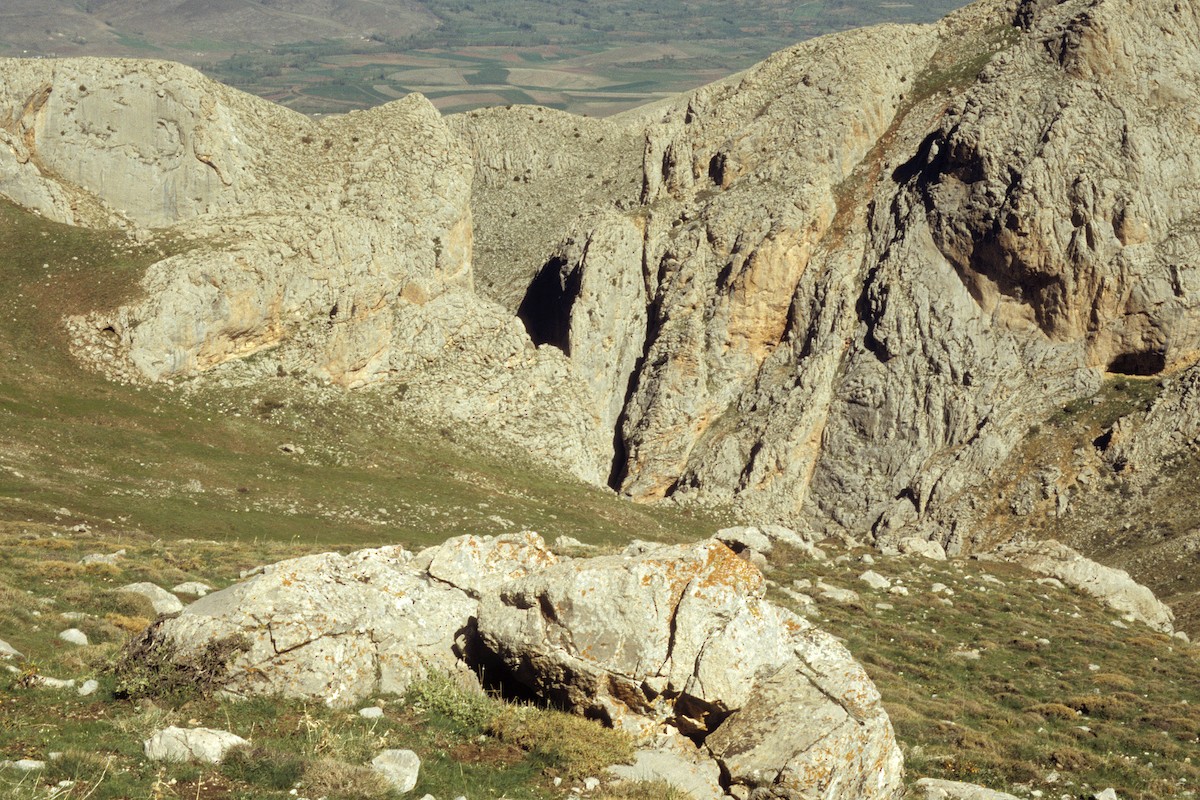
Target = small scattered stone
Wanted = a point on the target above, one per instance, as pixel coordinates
(372, 712)
(89, 687)
(191, 744)
(837, 595)
(1108, 794)
(916, 546)
(8, 651)
(399, 768)
(966, 655)
(163, 601)
(74, 636)
(194, 588)
(102, 558)
(936, 789)
(875, 580)
(591, 784)
(24, 765)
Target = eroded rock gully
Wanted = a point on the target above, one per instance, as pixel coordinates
(833, 291)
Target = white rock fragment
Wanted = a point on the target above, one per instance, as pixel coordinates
(89, 687)
(205, 745)
(699, 777)
(194, 588)
(836, 594)
(935, 789)
(371, 712)
(163, 601)
(916, 546)
(8, 651)
(74, 636)
(110, 559)
(875, 580)
(399, 768)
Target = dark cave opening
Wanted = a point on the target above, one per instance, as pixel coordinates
(546, 308)
(1143, 363)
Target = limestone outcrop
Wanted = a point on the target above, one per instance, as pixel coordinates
(1111, 586)
(659, 640)
(340, 628)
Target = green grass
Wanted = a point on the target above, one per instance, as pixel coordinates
(1050, 666)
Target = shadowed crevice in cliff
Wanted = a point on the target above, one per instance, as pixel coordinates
(619, 470)
(546, 308)
(1143, 363)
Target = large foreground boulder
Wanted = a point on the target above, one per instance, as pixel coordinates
(340, 628)
(658, 640)
(682, 636)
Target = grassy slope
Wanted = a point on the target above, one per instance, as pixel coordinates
(204, 462)
(1145, 527)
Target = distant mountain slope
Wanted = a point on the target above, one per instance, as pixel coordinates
(124, 27)
(336, 55)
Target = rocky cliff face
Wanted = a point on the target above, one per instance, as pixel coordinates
(835, 290)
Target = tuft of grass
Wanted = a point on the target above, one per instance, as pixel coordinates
(574, 747)
(264, 767)
(338, 780)
(471, 712)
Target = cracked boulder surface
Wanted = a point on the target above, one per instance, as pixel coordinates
(681, 636)
(654, 640)
(340, 628)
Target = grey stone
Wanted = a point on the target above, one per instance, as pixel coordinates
(682, 635)
(74, 636)
(194, 588)
(836, 594)
(1112, 586)
(692, 773)
(204, 745)
(345, 627)
(875, 580)
(163, 601)
(400, 768)
(8, 651)
(936, 789)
